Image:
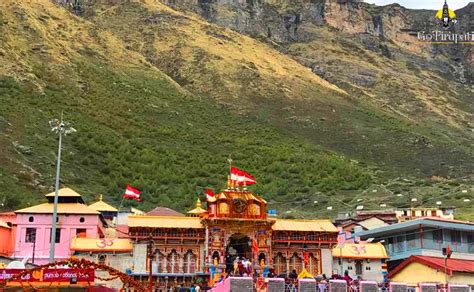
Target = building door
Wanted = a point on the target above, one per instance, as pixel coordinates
(241, 244)
(358, 266)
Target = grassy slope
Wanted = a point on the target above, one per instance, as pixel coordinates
(135, 125)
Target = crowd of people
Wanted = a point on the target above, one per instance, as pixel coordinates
(238, 266)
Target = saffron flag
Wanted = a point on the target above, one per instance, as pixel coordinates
(254, 246)
(209, 194)
(240, 177)
(132, 193)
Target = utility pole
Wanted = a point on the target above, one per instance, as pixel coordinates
(60, 128)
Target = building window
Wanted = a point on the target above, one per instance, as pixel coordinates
(102, 259)
(412, 241)
(400, 243)
(455, 236)
(470, 242)
(31, 219)
(82, 220)
(81, 233)
(30, 235)
(58, 235)
(438, 235)
(279, 263)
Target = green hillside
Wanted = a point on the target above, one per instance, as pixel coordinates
(160, 99)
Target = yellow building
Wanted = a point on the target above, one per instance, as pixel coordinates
(424, 269)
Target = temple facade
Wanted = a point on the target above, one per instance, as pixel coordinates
(235, 223)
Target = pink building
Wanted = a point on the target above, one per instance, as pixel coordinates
(75, 219)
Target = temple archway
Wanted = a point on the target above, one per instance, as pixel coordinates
(239, 245)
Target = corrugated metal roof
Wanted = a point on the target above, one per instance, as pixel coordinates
(164, 222)
(304, 225)
(361, 251)
(416, 223)
(452, 265)
(372, 223)
(163, 211)
(101, 244)
(65, 192)
(63, 208)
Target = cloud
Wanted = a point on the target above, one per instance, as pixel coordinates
(422, 4)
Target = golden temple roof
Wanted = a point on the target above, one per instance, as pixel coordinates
(102, 206)
(101, 244)
(65, 192)
(165, 222)
(63, 208)
(361, 251)
(234, 194)
(304, 225)
(198, 210)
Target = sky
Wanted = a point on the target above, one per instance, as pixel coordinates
(423, 4)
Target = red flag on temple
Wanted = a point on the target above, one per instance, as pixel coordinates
(209, 194)
(240, 177)
(132, 193)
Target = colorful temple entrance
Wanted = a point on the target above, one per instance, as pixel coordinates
(239, 245)
(212, 242)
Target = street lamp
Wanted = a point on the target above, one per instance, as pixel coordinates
(60, 128)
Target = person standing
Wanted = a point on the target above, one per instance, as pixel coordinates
(346, 277)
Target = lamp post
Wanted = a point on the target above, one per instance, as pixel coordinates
(60, 128)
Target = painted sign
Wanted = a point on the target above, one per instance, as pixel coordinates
(104, 242)
(65, 275)
(7, 274)
(50, 275)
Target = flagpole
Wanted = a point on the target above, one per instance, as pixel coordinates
(121, 203)
(230, 162)
(230, 171)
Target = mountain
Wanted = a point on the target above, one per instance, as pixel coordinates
(313, 104)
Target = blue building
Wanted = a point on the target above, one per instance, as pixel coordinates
(424, 237)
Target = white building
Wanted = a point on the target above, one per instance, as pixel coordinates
(365, 260)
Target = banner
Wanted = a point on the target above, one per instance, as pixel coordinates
(50, 275)
(7, 274)
(65, 275)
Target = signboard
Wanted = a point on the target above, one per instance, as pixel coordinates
(65, 275)
(7, 274)
(50, 275)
